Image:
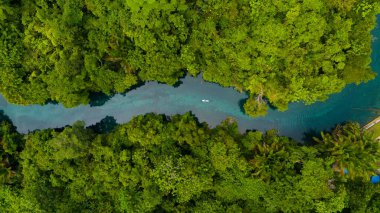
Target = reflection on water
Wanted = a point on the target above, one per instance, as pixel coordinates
(106, 125)
(353, 103)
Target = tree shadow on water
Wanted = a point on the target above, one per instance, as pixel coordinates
(50, 101)
(177, 84)
(241, 104)
(272, 107)
(308, 137)
(4, 117)
(99, 98)
(134, 87)
(106, 125)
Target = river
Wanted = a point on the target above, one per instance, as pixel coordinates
(354, 103)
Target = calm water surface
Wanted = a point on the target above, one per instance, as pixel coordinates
(354, 103)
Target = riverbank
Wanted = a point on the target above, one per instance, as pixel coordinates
(374, 126)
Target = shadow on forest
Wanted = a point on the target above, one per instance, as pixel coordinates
(106, 125)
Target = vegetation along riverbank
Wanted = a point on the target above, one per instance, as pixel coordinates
(374, 127)
(160, 163)
(277, 50)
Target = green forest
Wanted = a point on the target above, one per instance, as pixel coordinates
(279, 51)
(276, 51)
(156, 163)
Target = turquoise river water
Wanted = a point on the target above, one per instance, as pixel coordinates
(354, 103)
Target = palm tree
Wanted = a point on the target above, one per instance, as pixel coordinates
(351, 148)
(271, 157)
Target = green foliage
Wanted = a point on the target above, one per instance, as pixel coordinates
(166, 164)
(255, 108)
(12, 201)
(363, 197)
(282, 50)
(10, 144)
(350, 147)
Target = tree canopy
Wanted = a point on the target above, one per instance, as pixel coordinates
(156, 163)
(278, 50)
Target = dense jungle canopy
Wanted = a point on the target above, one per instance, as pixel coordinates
(277, 50)
(157, 163)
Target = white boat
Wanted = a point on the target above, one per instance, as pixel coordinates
(205, 101)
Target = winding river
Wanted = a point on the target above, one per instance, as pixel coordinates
(354, 103)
